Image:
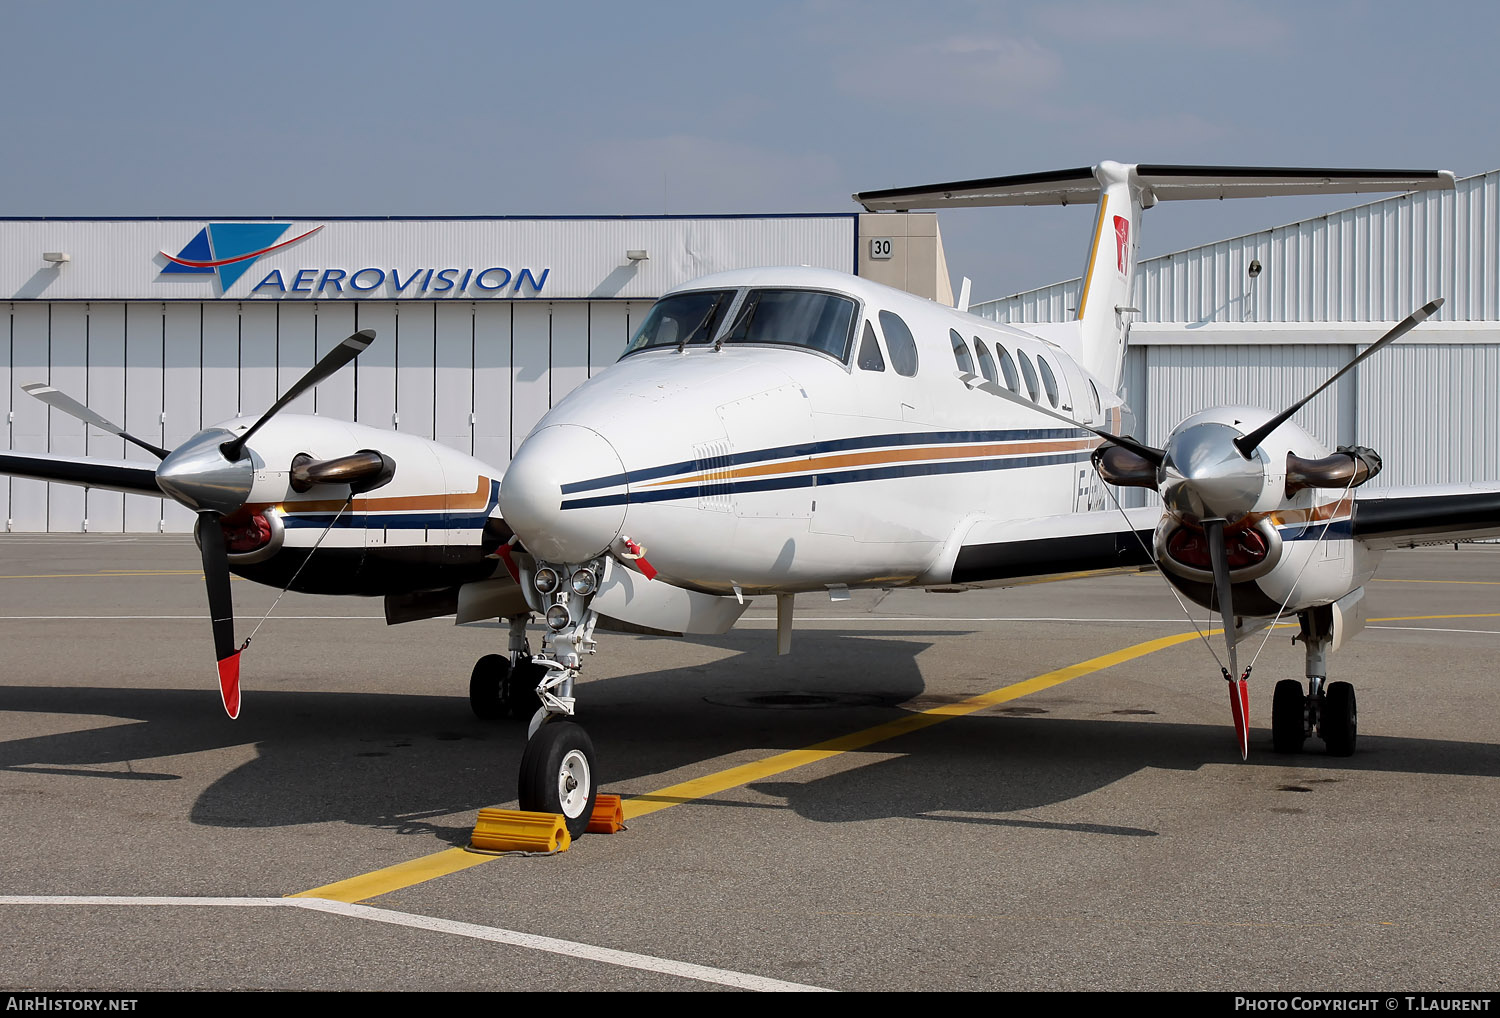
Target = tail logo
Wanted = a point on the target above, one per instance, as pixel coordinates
(1122, 242)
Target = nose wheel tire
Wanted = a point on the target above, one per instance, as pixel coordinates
(1339, 720)
(1288, 717)
(558, 775)
(487, 687)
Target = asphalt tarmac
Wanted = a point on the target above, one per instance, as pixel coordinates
(1093, 830)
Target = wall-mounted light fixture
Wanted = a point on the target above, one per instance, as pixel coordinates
(1254, 269)
(637, 255)
(56, 257)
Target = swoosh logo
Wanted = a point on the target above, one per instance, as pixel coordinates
(238, 258)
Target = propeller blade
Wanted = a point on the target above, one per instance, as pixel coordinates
(975, 382)
(1239, 707)
(1239, 693)
(59, 400)
(1246, 444)
(220, 608)
(331, 362)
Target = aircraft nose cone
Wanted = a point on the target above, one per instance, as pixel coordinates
(200, 476)
(547, 499)
(1204, 476)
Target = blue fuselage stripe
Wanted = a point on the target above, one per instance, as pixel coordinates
(882, 473)
(816, 448)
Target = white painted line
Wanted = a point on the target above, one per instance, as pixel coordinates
(805, 619)
(1434, 629)
(177, 618)
(551, 945)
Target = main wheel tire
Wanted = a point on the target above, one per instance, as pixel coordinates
(1339, 720)
(520, 696)
(487, 687)
(1288, 717)
(557, 774)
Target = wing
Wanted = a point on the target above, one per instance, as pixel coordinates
(116, 475)
(1409, 516)
(994, 552)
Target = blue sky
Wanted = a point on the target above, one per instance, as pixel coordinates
(272, 108)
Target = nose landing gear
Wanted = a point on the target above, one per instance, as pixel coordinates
(557, 768)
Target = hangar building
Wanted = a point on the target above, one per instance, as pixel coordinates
(1265, 318)
(168, 325)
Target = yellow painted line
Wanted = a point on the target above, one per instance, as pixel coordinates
(402, 875)
(782, 762)
(454, 860)
(107, 574)
(393, 878)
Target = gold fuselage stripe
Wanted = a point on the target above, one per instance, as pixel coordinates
(858, 459)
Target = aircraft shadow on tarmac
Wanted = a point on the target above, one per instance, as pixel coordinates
(397, 761)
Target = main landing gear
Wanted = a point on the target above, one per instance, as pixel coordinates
(1330, 712)
(505, 687)
(557, 768)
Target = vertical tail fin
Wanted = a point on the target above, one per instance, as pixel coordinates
(1109, 276)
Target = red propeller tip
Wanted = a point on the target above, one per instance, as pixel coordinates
(229, 684)
(1239, 706)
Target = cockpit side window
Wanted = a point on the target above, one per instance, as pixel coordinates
(986, 362)
(682, 318)
(1028, 373)
(1008, 368)
(900, 343)
(818, 321)
(869, 351)
(961, 352)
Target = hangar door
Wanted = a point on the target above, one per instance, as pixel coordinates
(476, 376)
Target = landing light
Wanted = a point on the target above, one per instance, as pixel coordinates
(558, 617)
(584, 582)
(546, 580)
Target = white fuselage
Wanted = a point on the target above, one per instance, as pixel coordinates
(771, 467)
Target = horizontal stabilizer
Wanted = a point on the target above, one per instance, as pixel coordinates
(116, 475)
(1160, 181)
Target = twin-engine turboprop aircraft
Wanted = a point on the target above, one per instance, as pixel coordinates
(782, 430)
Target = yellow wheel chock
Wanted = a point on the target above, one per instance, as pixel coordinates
(608, 816)
(513, 830)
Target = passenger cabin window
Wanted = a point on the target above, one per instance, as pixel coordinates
(682, 318)
(1008, 369)
(900, 343)
(818, 321)
(961, 353)
(986, 362)
(869, 351)
(1028, 373)
(1049, 380)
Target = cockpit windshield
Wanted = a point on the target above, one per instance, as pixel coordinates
(820, 321)
(682, 318)
(806, 318)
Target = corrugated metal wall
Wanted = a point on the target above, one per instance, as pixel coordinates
(476, 375)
